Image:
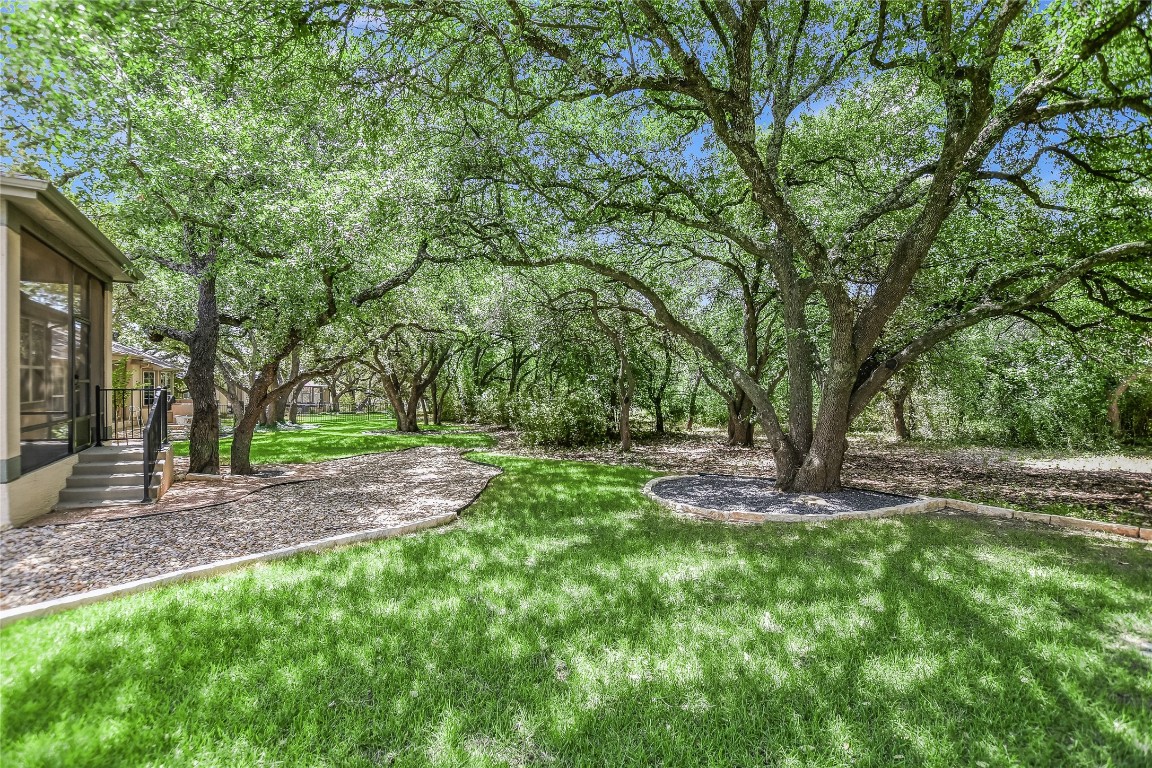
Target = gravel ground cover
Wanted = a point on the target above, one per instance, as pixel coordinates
(194, 492)
(728, 493)
(357, 494)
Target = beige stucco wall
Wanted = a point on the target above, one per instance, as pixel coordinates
(135, 370)
(10, 338)
(166, 471)
(35, 493)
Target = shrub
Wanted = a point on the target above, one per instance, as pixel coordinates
(493, 407)
(575, 417)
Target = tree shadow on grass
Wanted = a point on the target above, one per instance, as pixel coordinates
(569, 620)
(335, 439)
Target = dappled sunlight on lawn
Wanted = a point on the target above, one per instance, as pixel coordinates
(570, 619)
(336, 439)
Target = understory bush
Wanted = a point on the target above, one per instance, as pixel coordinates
(1010, 385)
(493, 407)
(575, 417)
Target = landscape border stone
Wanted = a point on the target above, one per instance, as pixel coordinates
(220, 566)
(918, 505)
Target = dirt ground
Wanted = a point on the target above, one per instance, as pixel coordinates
(1117, 489)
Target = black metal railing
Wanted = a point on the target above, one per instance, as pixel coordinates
(122, 413)
(155, 436)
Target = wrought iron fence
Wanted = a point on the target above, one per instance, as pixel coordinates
(345, 411)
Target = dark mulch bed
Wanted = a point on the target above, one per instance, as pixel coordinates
(729, 493)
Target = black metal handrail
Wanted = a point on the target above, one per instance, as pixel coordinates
(155, 436)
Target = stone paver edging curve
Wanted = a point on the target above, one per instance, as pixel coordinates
(918, 505)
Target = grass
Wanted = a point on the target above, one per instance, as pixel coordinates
(570, 621)
(339, 438)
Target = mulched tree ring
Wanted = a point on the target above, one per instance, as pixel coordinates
(755, 499)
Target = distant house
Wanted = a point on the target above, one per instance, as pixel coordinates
(56, 317)
(313, 395)
(138, 369)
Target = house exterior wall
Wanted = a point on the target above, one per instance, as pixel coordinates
(10, 335)
(35, 493)
(25, 495)
(22, 497)
(135, 369)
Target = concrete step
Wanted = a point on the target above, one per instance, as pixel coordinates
(108, 475)
(102, 479)
(89, 504)
(111, 453)
(109, 467)
(91, 496)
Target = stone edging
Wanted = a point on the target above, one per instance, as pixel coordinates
(220, 566)
(919, 504)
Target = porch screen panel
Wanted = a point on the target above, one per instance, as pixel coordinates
(45, 355)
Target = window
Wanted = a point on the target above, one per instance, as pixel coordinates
(149, 387)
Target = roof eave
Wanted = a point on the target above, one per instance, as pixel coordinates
(22, 188)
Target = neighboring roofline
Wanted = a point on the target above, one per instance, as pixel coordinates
(139, 354)
(26, 188)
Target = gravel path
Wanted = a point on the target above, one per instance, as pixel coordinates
(753, 494)
(364, 492)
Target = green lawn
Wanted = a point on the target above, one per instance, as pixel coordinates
(569, 621)
(338, 438)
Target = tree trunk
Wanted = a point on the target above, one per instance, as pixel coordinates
(692, 400)
(899, 422)
(294, 408)
(627, 390)
(403, 422)
(823, 457)
(625, 385)
(741, 428)
(658, 406)
(437, 404)
(899, 398)
(241, 460)
(405, 415)
(204, 435)
(412, 413)
(1114, 420)
(279, 406)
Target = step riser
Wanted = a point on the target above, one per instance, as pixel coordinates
(110, 458)
(119, 467)
(93, 496)
(105, 481)
(115, 485)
